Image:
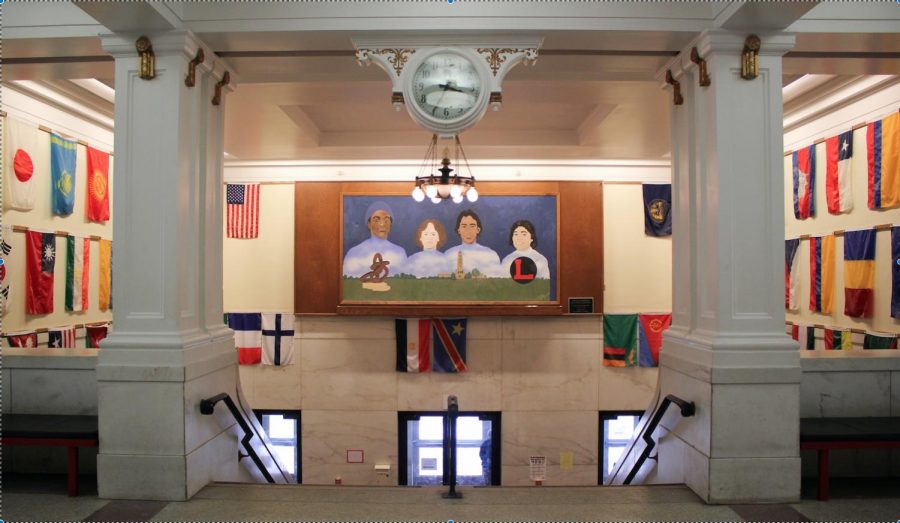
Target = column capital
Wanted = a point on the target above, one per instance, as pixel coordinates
(719, 41)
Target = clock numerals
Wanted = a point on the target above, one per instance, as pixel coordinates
(445, 87)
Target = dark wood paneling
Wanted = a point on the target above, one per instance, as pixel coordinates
(581, 235)
(317, 270)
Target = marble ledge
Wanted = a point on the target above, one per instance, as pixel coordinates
(77, 360)
(850, 361)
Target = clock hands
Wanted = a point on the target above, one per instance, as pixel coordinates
(451, 86)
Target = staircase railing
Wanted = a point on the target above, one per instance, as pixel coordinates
(687, 410)
(207, 406)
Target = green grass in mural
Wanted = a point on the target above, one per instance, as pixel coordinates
(434, 289)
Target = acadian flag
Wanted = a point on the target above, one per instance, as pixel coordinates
(838, 339)
(277, 339)
(105, 275)
(859, 273)
(78, 269)
(25, 340)
(437, 345)
(247, 336)
(880, 341)
(242, 210)
(883, 147)
(838, 193)
(807, 337)
(40, 260)
(657, 209)
(620, 339)
(61, 338)
(93, 334)
(21, 150)
(895, 271)
(791, 274)
(821, 273)
(62, 171)
(97, 208)
(651, 327)
(804, 162)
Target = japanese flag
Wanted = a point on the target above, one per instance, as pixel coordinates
(21, 150)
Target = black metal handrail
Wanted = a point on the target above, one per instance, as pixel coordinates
(687, 410)
(207, 407)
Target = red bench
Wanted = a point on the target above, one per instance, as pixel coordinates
(53, 430)
(825, 434)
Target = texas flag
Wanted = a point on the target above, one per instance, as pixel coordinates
(40, 259)
(859, 273)
(247, 336)
(21, 151)
(804, 162)
(883, 148)
(791, 274)
(838, 151)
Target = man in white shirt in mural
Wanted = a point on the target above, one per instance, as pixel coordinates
(358, 260)
(475, 255)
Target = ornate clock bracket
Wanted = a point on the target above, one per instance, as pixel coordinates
(147, 60)
(750, 58)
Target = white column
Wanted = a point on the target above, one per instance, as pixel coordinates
(727, 350)
(166, 351)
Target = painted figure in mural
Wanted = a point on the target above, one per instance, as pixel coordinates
(358, 260)
(523, 237)
(429, 262)
(475, 255)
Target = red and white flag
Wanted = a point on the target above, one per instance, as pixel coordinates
(242, 210)
(838, 154)
(21, 150)
(23, 340)
(63, 338)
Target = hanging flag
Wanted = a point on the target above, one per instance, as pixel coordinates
(40, 262)
(5, 249)
(449, 342)
(93, 334)
(651, 327)
(807, 337)
(247, 328)
(895, 271)
(62, 172)
(97, 208)
(883, 147)
(821, 273)
(620, 340)
(63, 338)
(880, 341)
(277, 339)
(78, 263)
(413, 345)
(105, 275)
(25, 340)
(21, 150)
(791, 274)
(804, 164)
(795, 332)
(838, 339)
(243, 210)
(657, 209)
(859, 273)
(838, 192)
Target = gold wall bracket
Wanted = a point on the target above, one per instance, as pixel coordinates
(147, 70)
(677, 99)
(704, 74)
(217, 97)
(191, 77)
(750, 58)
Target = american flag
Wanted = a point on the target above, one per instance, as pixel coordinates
(243, 210)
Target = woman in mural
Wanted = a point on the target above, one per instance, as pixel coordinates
(429, 262)
(523, 237)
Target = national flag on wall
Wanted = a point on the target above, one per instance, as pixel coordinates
(651, 328)
(895, 271)
(620, 336)
(40, 261)
(97, 208)
(247, 336)
(880, 341)
(838, 192)
(78, 269)
(21, 147)
(104, 274)
(795, 332)
(435, 344)
(26, 340)
(859, 273)
(804, 167)
(93, 334)
(5, 249)
(838, 339)
(62, 173)
(61, 338)
(883, 147)
(242, 210)
(791, 274)
(807, 337)
(277, 339)
(657, 209)
(821, 273)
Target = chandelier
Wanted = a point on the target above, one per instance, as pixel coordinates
(444, 186)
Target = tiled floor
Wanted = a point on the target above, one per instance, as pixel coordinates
(43, 500)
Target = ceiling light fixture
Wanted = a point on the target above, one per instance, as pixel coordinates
(444, 186)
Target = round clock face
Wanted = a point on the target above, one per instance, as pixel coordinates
(446, 86)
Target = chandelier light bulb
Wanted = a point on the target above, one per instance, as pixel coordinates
(458, 198)
(456, 191)
(436, 200)
(418, 194)
(472, 195)
(431, 191)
